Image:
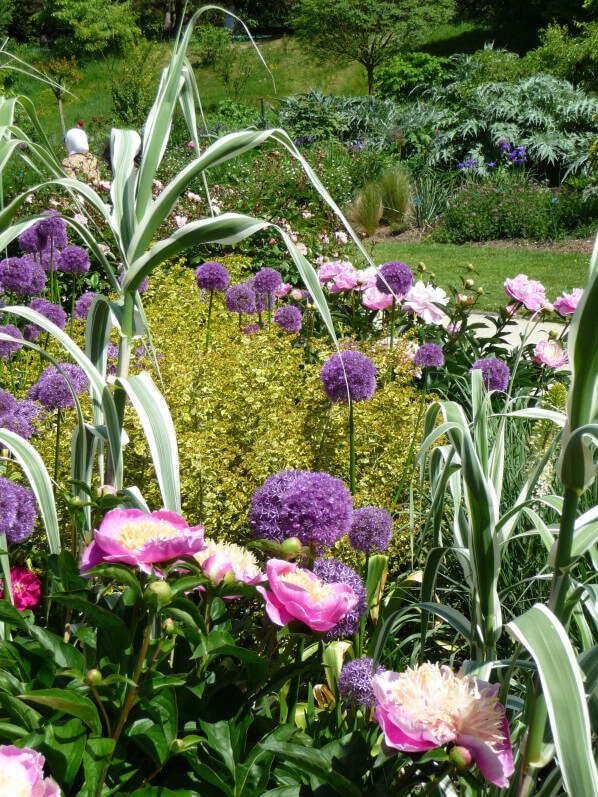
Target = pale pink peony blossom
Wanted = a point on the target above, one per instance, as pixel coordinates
(180, 221)
(22, 774)
(341, 237)
(531, 293)
(550, 353)
(422, 300)
(131, 537)
(306, 214)
(338, 273)
(374, 299)
(302, 248)
(80, 218)
(298, 594)
(193, 196)
(219, 558)
(429, 706)
(283, 290)
(567, 303)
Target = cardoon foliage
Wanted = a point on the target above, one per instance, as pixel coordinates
(333, 571)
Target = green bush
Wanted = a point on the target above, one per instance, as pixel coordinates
(133, 89)
(402, 74)
(568, 56)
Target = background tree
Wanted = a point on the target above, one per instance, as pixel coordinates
(367, 31)
(65, 75)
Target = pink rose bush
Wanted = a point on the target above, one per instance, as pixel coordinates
(26, 588)
(429, 706)
(530, 293)
(128, 536)
(550, 353)
(22, 774)
(567, 303)
(298, 594)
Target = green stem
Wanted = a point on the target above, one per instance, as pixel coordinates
(122, 369)
(269, 310)
(351, 448)
(294, 685)
(72, 305)
(209, 319)
(562, 563)
(392, 322)
(57, 449)
(411, 451)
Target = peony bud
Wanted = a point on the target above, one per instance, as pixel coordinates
(160, 591)
(469, 283)
(92, 678)
(168, 626)
(461, 758)
(291, 546)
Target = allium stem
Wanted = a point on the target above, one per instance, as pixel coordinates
(392, 323)
(351, 448)
(269, 309)
(294, 685)
(57, 449)
(411, 451)
(72, 305)
(209, 319)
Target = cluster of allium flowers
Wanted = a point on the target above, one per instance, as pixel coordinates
(332, 571)
(288, 318)
(52, 230)
(495, 373)
(550, 353)
(26, 588)
(7, 347)
(18, 511)
(74, 260)
(429, 706)
(355, 682)
(394, 277)
(52, 389)
(8, 405)
(349, 367)
(567, 303)
(30, 240)
(53, 312)
(531, 293)
(83, 304)
(21, 420)
(212, 276)
(267, 280)
(23, 774)
(22, 275)
(371, 529)
(429, 356)
(315, 507)
(240, 299)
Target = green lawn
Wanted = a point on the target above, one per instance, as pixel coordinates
(557, 271)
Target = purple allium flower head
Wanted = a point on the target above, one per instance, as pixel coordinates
(49, 260)
(360, 374)
(141, 289)
(288, 318)
(83, 304)
(8, 405)
(315, 507)
(6, 347)
(240, 299)
(212, 277)
(429, 356)
(52, 389)
(37, 275)
(495, 373)
(250, 329)
(371, 529)
(74, 260)
(333, 571)
(355, 682)
(398, 276)
(21, 421)
(21, 275)
(52, 312)
(30, 240)
(17, 511)
(267, 280)
(112, 354)
(52, 229)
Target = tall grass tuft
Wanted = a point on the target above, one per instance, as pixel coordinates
(395, 189)
(365, 211)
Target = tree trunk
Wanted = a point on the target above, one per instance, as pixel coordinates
(61, 114)
(370, 71)
(167, 25)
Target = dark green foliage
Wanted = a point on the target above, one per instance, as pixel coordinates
(134, 87)
(402, 74)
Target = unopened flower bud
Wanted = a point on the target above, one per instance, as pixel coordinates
(177, 745)
(291, 546)
(432, 277)
(470, 267)
(76, 502)
(160, 591)
(480, 291)
(92, 677)
(421, 266)
(168, 626)
(461, 758)
(469, 283)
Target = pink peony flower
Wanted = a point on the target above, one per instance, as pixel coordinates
(180, 221)
(283, 290)
(302, 249)
(219, 558)
(134, 538)
(530, 293)
(298, 594)
(22, 774)
(567, 303)
(550, 353)
(374, 299)
(429, 706)
(191, 145)
(422, 300)
(26, 588)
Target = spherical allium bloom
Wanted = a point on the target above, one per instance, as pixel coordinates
(429, 706)
(374, 299)
(131, 537)
(7, 347)
(332, 571)
(8, 405)
(26, 588)
(350, 367)
(298, 594)
(22, 275)
(112, 358)
(250, 330)
(52, 230)
(531, 293)
(495, 373)
(30, 240)
(315, 507)
(288, 318)
(422, 300)
(263, 301)
(53, 312)
(48, 259)
(36, 276)
(73, 260)
(83, 304)
(219, 558)
(21, 420)
(567, 303)
(429, 356)
(371, 529)
(52, 389)
(394, 277)
(267, 280)
(18, 511)
(23, 774)
(550, 353)
(240, 299)
(355, 682)
(212, 277)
